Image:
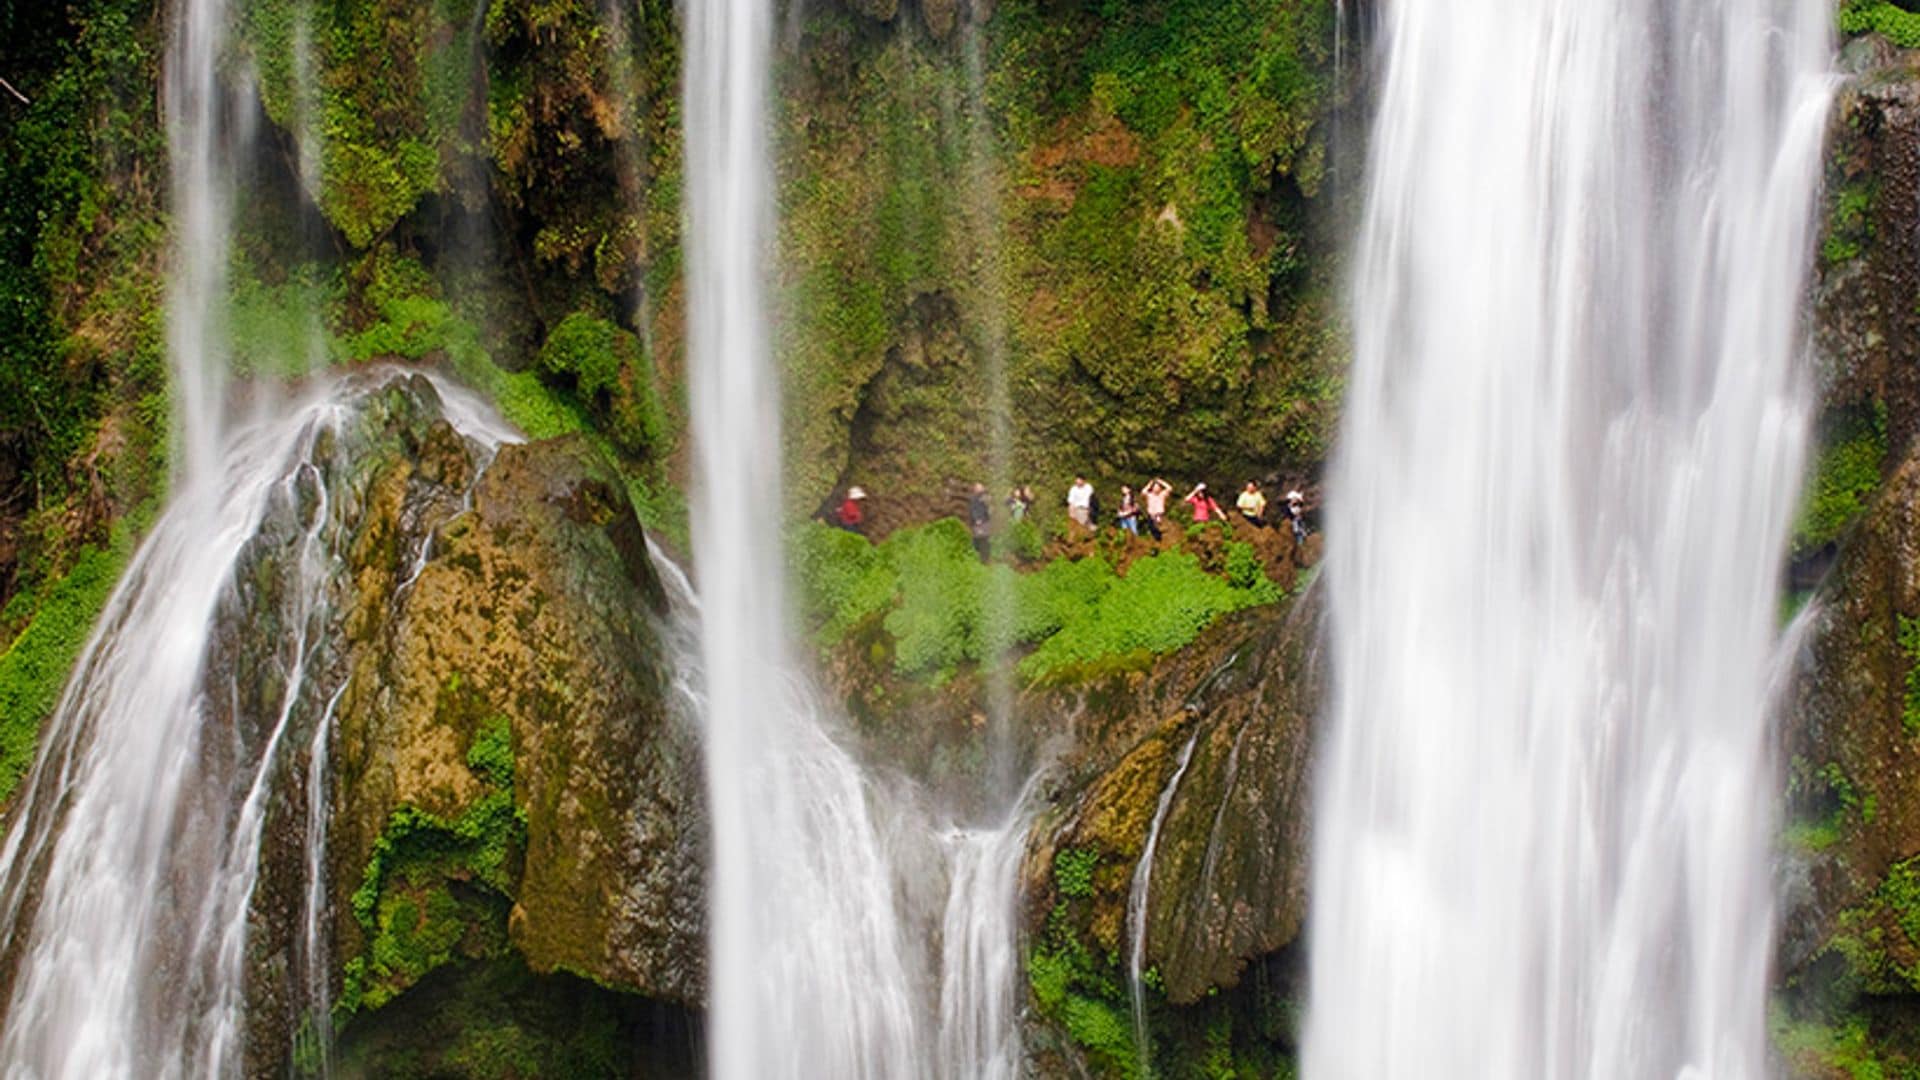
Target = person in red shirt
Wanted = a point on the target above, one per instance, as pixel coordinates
(851, 515)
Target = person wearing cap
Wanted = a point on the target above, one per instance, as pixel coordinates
(1204, 508)
(851, 515)
(1080, 502)
(1253, 505)
(1297, 511)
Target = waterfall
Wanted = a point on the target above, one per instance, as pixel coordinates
(1574, 433)
(127, 877)
(812, 916)
(808, 972)
(979, 984)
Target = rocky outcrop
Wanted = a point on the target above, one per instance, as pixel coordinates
(1215, 742)
(1854, 743)
(506, 783)
(1229, 873)
(530, 609)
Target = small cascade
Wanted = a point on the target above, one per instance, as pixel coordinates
(980, 992)
(1137, 896)
(313, 1041)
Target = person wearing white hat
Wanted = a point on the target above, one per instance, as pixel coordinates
(851, 515)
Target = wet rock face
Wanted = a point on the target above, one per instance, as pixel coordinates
(504, 777)
(1853, 743)
(1228, 880)
(1867, 321)
(1851, 721)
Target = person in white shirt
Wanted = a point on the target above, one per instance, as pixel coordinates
(1080, 502)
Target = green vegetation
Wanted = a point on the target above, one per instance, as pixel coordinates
(1883, 17)
(1880, 938)
(943, 608)
(437, 889)
(1909, 639)
(1844, 1048)
(1083, 994)
(1134, 245)
(1073, 872)
(494, 1018)
(1850, 224)
(608, 371)
(1844, 478)
(34, 668)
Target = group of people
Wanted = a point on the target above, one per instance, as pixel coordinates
(1147, 511)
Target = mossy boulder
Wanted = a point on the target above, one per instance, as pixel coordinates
(477, 634)
(530, 615)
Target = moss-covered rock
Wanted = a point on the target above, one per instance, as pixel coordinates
(532, 610)
(1227, 886)
(505, 783)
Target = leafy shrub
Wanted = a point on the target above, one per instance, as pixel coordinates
(1882, 17)
(938, 624)
(950, 609)
(609, 373)
(1162, 604)
(1073, 871)
(842, 578)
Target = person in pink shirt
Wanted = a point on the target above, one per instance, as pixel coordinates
(1204, 508)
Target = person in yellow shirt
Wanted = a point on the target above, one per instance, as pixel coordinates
(1253, 505)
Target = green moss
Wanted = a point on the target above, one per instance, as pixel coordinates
(608, 370)
(438, 889)
(34, 668)
(1845, 477)
(1882, 17)
(1849, 226)
(1879, 938)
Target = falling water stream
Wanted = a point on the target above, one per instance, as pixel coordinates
(1571, 450)
(1139, 892)
(818, 963)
